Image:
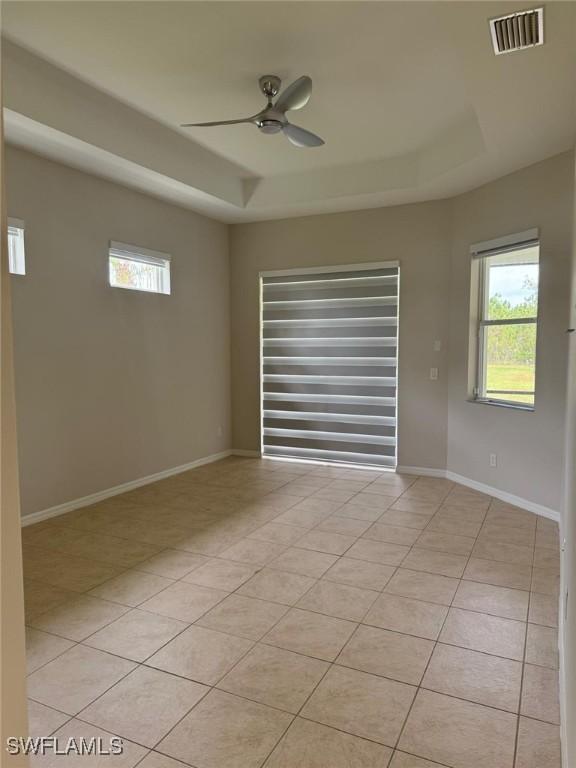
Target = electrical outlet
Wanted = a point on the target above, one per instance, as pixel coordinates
(433, 374)
(437, 346)
(219, 431)
(493, 460)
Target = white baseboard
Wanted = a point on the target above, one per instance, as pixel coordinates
(85, 501)
(509, 498)
(423, 471)
(69, 506)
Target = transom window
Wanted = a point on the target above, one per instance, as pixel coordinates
(138, 269)
(508, 317)
(16, 255)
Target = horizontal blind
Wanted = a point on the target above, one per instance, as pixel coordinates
(329, 365)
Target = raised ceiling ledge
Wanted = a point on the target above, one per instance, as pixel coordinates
(51, 112)
(460, 142)
(28, 134)
(44, 95)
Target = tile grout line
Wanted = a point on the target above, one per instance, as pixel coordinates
(317, 580)
(137, 606)
(524, 656)
(139, 664)
(418, 687)
(213, 687)
(333, 664)
(76, 643)
(330, 665)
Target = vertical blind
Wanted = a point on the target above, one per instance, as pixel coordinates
(329, 365)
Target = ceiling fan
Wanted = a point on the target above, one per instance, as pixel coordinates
(272, 119)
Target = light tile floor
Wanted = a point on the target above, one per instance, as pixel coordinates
(261, 613)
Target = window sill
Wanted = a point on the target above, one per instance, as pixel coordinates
(498, 404)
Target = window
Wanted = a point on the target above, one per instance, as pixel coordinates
(138, 269)
(329, 354)
(16, 259)
(508, 315)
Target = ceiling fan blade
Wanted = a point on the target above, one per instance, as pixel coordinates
(295, 96)
(217, 122)
(300, 137)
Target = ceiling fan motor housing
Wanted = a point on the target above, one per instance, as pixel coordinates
(270, 85)
(270, 126)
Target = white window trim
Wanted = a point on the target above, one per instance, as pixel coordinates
(481, 251)
(504, 243)
(14, 223)
(364, 266)
(144, 256)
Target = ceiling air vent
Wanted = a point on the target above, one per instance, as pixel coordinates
(524, 29)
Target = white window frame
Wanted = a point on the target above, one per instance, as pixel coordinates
(136, 253)
(481, 252)
(16, 251)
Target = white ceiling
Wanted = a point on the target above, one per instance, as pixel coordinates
(409, 97)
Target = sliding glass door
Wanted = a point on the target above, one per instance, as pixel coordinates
(329, 354)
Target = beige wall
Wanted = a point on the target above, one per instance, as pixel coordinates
(112, 385)
(438, 427)
(416, 235)
(530, 446)
(13, 713)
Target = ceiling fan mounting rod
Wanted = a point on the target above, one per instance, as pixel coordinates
(270, 86)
